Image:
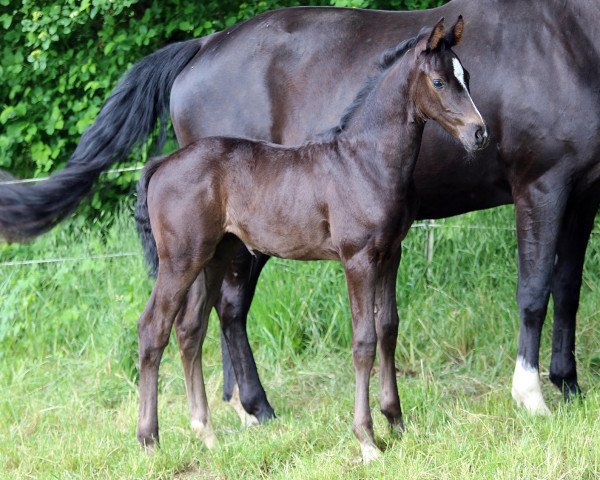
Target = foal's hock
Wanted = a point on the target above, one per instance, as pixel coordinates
(347, 198)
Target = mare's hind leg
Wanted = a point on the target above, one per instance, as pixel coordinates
(233, 305)
(190, 328)
(231, 391)
(386, 322)
(566, 285)
(154, 327)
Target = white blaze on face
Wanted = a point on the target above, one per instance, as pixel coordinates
(459, 73)
(526, 388)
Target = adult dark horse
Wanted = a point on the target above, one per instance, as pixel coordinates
(287, 75)
(348, 197)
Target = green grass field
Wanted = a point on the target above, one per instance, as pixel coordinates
(68, 354)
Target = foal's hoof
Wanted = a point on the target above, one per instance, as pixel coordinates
(149, 443)
(369, 452)
(397, 427)
(205, 432)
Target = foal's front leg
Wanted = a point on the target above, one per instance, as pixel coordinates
(361, 277)
(386, 321)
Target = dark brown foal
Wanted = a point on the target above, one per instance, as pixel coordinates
(348, 198)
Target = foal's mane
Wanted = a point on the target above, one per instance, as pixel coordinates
(386, 60)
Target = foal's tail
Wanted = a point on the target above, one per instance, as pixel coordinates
(127, 119)
(142, 218)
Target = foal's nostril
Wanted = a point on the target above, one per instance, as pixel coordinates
(481, 137)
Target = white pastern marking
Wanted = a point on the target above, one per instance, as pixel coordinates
(247, 419)
(369, 452)
(526, 388)
(205, 433)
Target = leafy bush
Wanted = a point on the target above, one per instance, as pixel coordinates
(60, 60)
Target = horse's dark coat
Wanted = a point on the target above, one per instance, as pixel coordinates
(287, 76)
(537, 82)
(350, 198)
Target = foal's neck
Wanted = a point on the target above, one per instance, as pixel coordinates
(386, 129)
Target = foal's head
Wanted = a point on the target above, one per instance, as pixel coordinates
(441, 87)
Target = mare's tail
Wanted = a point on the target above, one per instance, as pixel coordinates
(127, 119)
(142, 218)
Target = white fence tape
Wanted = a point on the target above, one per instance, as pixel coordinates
(41, 179)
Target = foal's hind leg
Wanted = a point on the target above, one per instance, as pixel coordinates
(190, 327)
(154, 327)
(386, 322)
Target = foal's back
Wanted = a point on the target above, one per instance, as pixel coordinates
(274, 198)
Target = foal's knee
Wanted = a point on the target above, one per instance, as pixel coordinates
(363, 351)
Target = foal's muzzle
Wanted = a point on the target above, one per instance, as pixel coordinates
(474, 136)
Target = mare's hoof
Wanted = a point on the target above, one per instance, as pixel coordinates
(527, 390)
(249, 420)
(266, 414)
(150, 449)
(572, 393)
(246, 418)
(532, 401)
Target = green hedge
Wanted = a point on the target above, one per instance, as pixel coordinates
(60, 60)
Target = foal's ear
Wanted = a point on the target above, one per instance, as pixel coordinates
(454, 36)
(436, 36)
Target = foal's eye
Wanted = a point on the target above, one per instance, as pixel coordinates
(438, 84)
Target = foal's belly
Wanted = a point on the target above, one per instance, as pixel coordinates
(285, 237)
